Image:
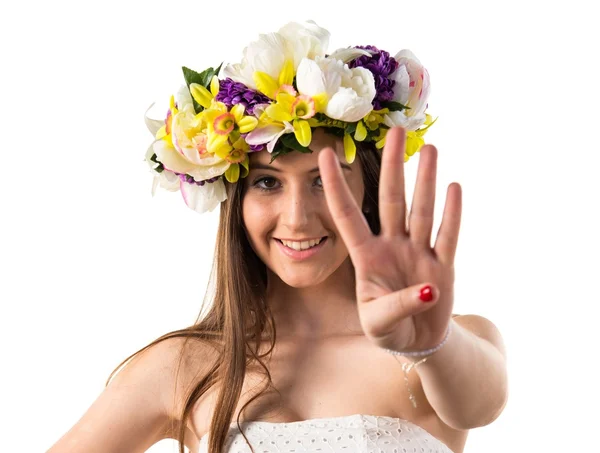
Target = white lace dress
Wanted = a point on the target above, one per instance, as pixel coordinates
(346, 434)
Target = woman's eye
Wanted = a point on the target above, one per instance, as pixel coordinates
(268, 185)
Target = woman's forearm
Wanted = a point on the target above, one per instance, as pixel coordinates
(466, 380)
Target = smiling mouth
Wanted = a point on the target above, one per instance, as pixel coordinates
(323, 239)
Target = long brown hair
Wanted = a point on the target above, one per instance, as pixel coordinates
(239, 317)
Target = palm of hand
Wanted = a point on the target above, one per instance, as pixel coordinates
(393, 266)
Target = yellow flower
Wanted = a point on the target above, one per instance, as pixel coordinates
(294, 110)
(269, 86)
(202, 96)
(240, 162)
(375, 118)
(165, 131)
(372, 122)
(349, 148)
(225, 126)
(414, 139)
(180, 144)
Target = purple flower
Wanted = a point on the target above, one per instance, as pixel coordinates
(190, 179)
(231, 93)
(254, 148)
(382, 66)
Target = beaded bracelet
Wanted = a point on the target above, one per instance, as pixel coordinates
(422, 353)
(407, 367)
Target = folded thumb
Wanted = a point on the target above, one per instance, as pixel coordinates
(384, 317)
(418, 298)
(426, 293)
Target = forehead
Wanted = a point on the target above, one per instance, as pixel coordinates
(299, 161)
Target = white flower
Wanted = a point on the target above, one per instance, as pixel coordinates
(412, 89)
(152, 125)
(350, 92)
(199, 198)
(269, 53)
(184, 151)
(269, 134)
(188, 151)
(166, 179)
(305, 40)
(203, 198)
(349, 53)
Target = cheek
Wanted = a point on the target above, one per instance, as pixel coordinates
(256, 215)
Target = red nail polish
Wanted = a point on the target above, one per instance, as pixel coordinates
(426, 295)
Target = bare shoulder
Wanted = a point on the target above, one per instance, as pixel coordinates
(137, 408)
(178, 363)
(194, 361)
(483, 328)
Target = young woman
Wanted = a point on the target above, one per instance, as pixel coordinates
(327, 291)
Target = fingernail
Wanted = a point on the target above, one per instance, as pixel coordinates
(426, 294)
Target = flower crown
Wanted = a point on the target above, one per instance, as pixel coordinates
(284, 87)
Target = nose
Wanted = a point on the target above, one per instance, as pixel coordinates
(297, 208)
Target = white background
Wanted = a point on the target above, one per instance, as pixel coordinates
(93, 268)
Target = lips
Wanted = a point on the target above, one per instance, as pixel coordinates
(301, 254)
(321, 239)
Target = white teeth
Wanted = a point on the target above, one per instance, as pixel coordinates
(301, 245)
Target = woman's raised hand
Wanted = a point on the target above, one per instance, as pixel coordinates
(392, 268)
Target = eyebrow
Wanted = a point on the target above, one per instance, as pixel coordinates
(259, 166)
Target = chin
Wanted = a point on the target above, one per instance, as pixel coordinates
(300, 278)
(299, 281)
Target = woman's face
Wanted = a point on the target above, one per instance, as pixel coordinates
(285, 201)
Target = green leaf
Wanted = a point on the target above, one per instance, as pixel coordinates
(285, 145)
(208, 75)
(279, 150)
(160, 167)
(290, 141)
(202, 78)
(351, 128)
(192, 76)
(334, 131)
(394, 106)
(216, 71)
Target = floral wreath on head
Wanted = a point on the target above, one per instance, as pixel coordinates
(284, 87)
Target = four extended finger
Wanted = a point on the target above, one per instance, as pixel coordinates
(346, 214)
(447, 238)
(420, 220)
(392, 199)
